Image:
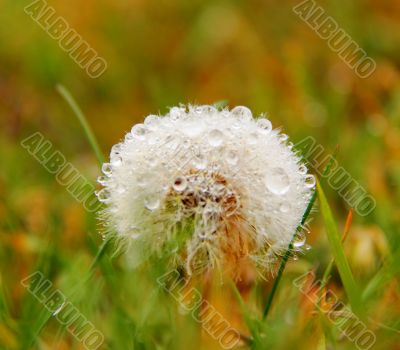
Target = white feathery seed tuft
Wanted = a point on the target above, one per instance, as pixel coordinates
(206, 189)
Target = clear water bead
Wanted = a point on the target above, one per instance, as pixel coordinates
(242, 113)
(142, 180)
(252, 138)
(151, 120)
(215, 138)
(232, 157)
(116, 162)
(193, 127)
(102, 180)
(152, 202)
(139, 131)
(284, 208)
(265, 125)
(277, 181)
(310, 181)
(175, 113)
(300, 240)
(103, 195)
(200, 162)
(302, 169)
(120, 189)
(283, 138)
(180, 184)
(205, 109)
(106, 168)
(152, 161)
(129, 137)
(116, 150)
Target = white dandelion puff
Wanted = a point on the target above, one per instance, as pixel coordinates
(206, 189)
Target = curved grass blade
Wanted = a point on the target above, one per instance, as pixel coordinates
(290, 247)
(342, 264)
(66, 95)
(328, 269)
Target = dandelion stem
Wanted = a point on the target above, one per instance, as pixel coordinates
(290, 247)
(66, 95)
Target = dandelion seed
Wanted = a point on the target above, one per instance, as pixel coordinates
(205, 188)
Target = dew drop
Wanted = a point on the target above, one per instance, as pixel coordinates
(120, 189)
(56, 312)
(299, 241)
(232, 157)
(139, 131)
(116, 149)
(252, 138)
(302, 169)
(283, 138)
(284, 208)
(102, 180)
(180, 184)
(277, 181)
(128, 137)
(142, 180)
(242, 113)
(103, 195)
(106, 168)
(152, 203)
(310, 181)
(152, 161)
(200, 162)
(175, 113)
(236, 125)
(151, 120)
(206, 109)
(215, 138)
(116, 162)
(265, 125)
(193, 127)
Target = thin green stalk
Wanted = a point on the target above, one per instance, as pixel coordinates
(290, 247)
(342, 264)
(66, 95)
(329, 267)
(102, 250)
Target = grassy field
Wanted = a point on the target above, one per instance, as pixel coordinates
(254, 53)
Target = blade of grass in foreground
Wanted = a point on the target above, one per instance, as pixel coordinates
(342, 264)
(285, 258)
(66, 95)
(328, 269)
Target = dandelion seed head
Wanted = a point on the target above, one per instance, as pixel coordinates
(208, 188)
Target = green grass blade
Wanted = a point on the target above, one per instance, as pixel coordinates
(337, 250)
(290, 247)
(389, 270)
(66, 95)
(329, 268)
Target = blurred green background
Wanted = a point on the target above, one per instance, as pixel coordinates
(159, 54)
